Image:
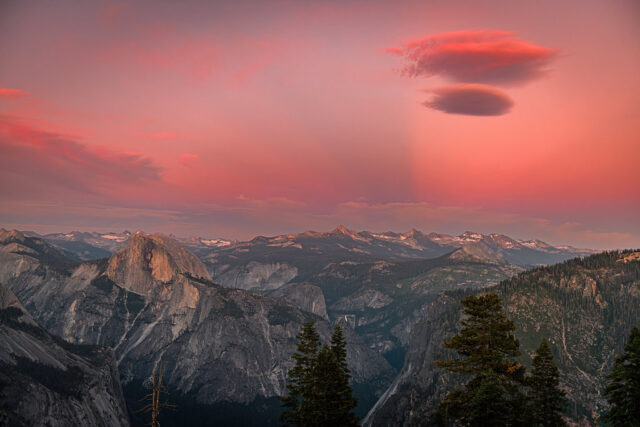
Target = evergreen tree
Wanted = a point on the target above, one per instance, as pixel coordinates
(486, 347)
(342, 399)
(318, 388)
(623, 391)
(546, 400)
(326, 407)
(298, 403)
(488, 404)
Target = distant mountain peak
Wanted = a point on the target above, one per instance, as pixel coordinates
(413, 233)
(11, 235)
(471, 236)
(341, 229)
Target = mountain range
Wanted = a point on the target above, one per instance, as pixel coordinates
(221, 317)
(385, 245)
(153, 303)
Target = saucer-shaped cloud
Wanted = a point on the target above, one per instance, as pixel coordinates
(470, 99)
(475, 56)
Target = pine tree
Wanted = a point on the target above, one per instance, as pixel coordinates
(299, 402)
(319, 391)
(325, 408)
(486, 347)
(342, 399)
(546, 400)
(488, 404)
(623, 391)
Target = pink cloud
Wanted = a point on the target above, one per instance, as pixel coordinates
(13, 93)
(187, 158)
(162, 135)
(41, 163)
(478, 56)
(470, 99)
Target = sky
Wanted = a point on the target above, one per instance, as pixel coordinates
(237, 119)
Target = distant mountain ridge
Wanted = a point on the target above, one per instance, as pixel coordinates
(411, 244)
(416, 244)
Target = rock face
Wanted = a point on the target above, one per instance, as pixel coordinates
(585, 308)
(418, 388)
(147, 260)
(47, 381)
(153, 303)
(305, 296)
(255, 276)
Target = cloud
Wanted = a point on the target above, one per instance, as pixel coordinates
(475, 56)
(162, 135)
(13, 93)
(45, 164)
(470, 99)
(187, 158)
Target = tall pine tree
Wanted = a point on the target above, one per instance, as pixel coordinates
(623, 391)
(546, 401)
(318, 386)
(342, 394)
(298, 404)
(486, 348)
(488, 404)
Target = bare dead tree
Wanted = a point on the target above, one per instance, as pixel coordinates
(154, 403)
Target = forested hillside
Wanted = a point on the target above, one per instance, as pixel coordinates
(584, 307)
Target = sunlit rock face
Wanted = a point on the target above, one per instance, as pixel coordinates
(46, 381)
(148, 259)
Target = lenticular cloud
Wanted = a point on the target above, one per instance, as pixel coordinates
(475, 56)
(470, 99)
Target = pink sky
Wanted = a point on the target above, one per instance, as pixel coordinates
(245, 118)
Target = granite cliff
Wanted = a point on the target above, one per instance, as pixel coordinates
(47, 381)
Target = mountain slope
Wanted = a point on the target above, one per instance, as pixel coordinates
(584, 307)
(153, 302)
(47, 381)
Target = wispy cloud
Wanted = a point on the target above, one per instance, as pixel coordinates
(36, 161)
(13, 93)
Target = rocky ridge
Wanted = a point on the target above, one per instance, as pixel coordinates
(47, 381)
